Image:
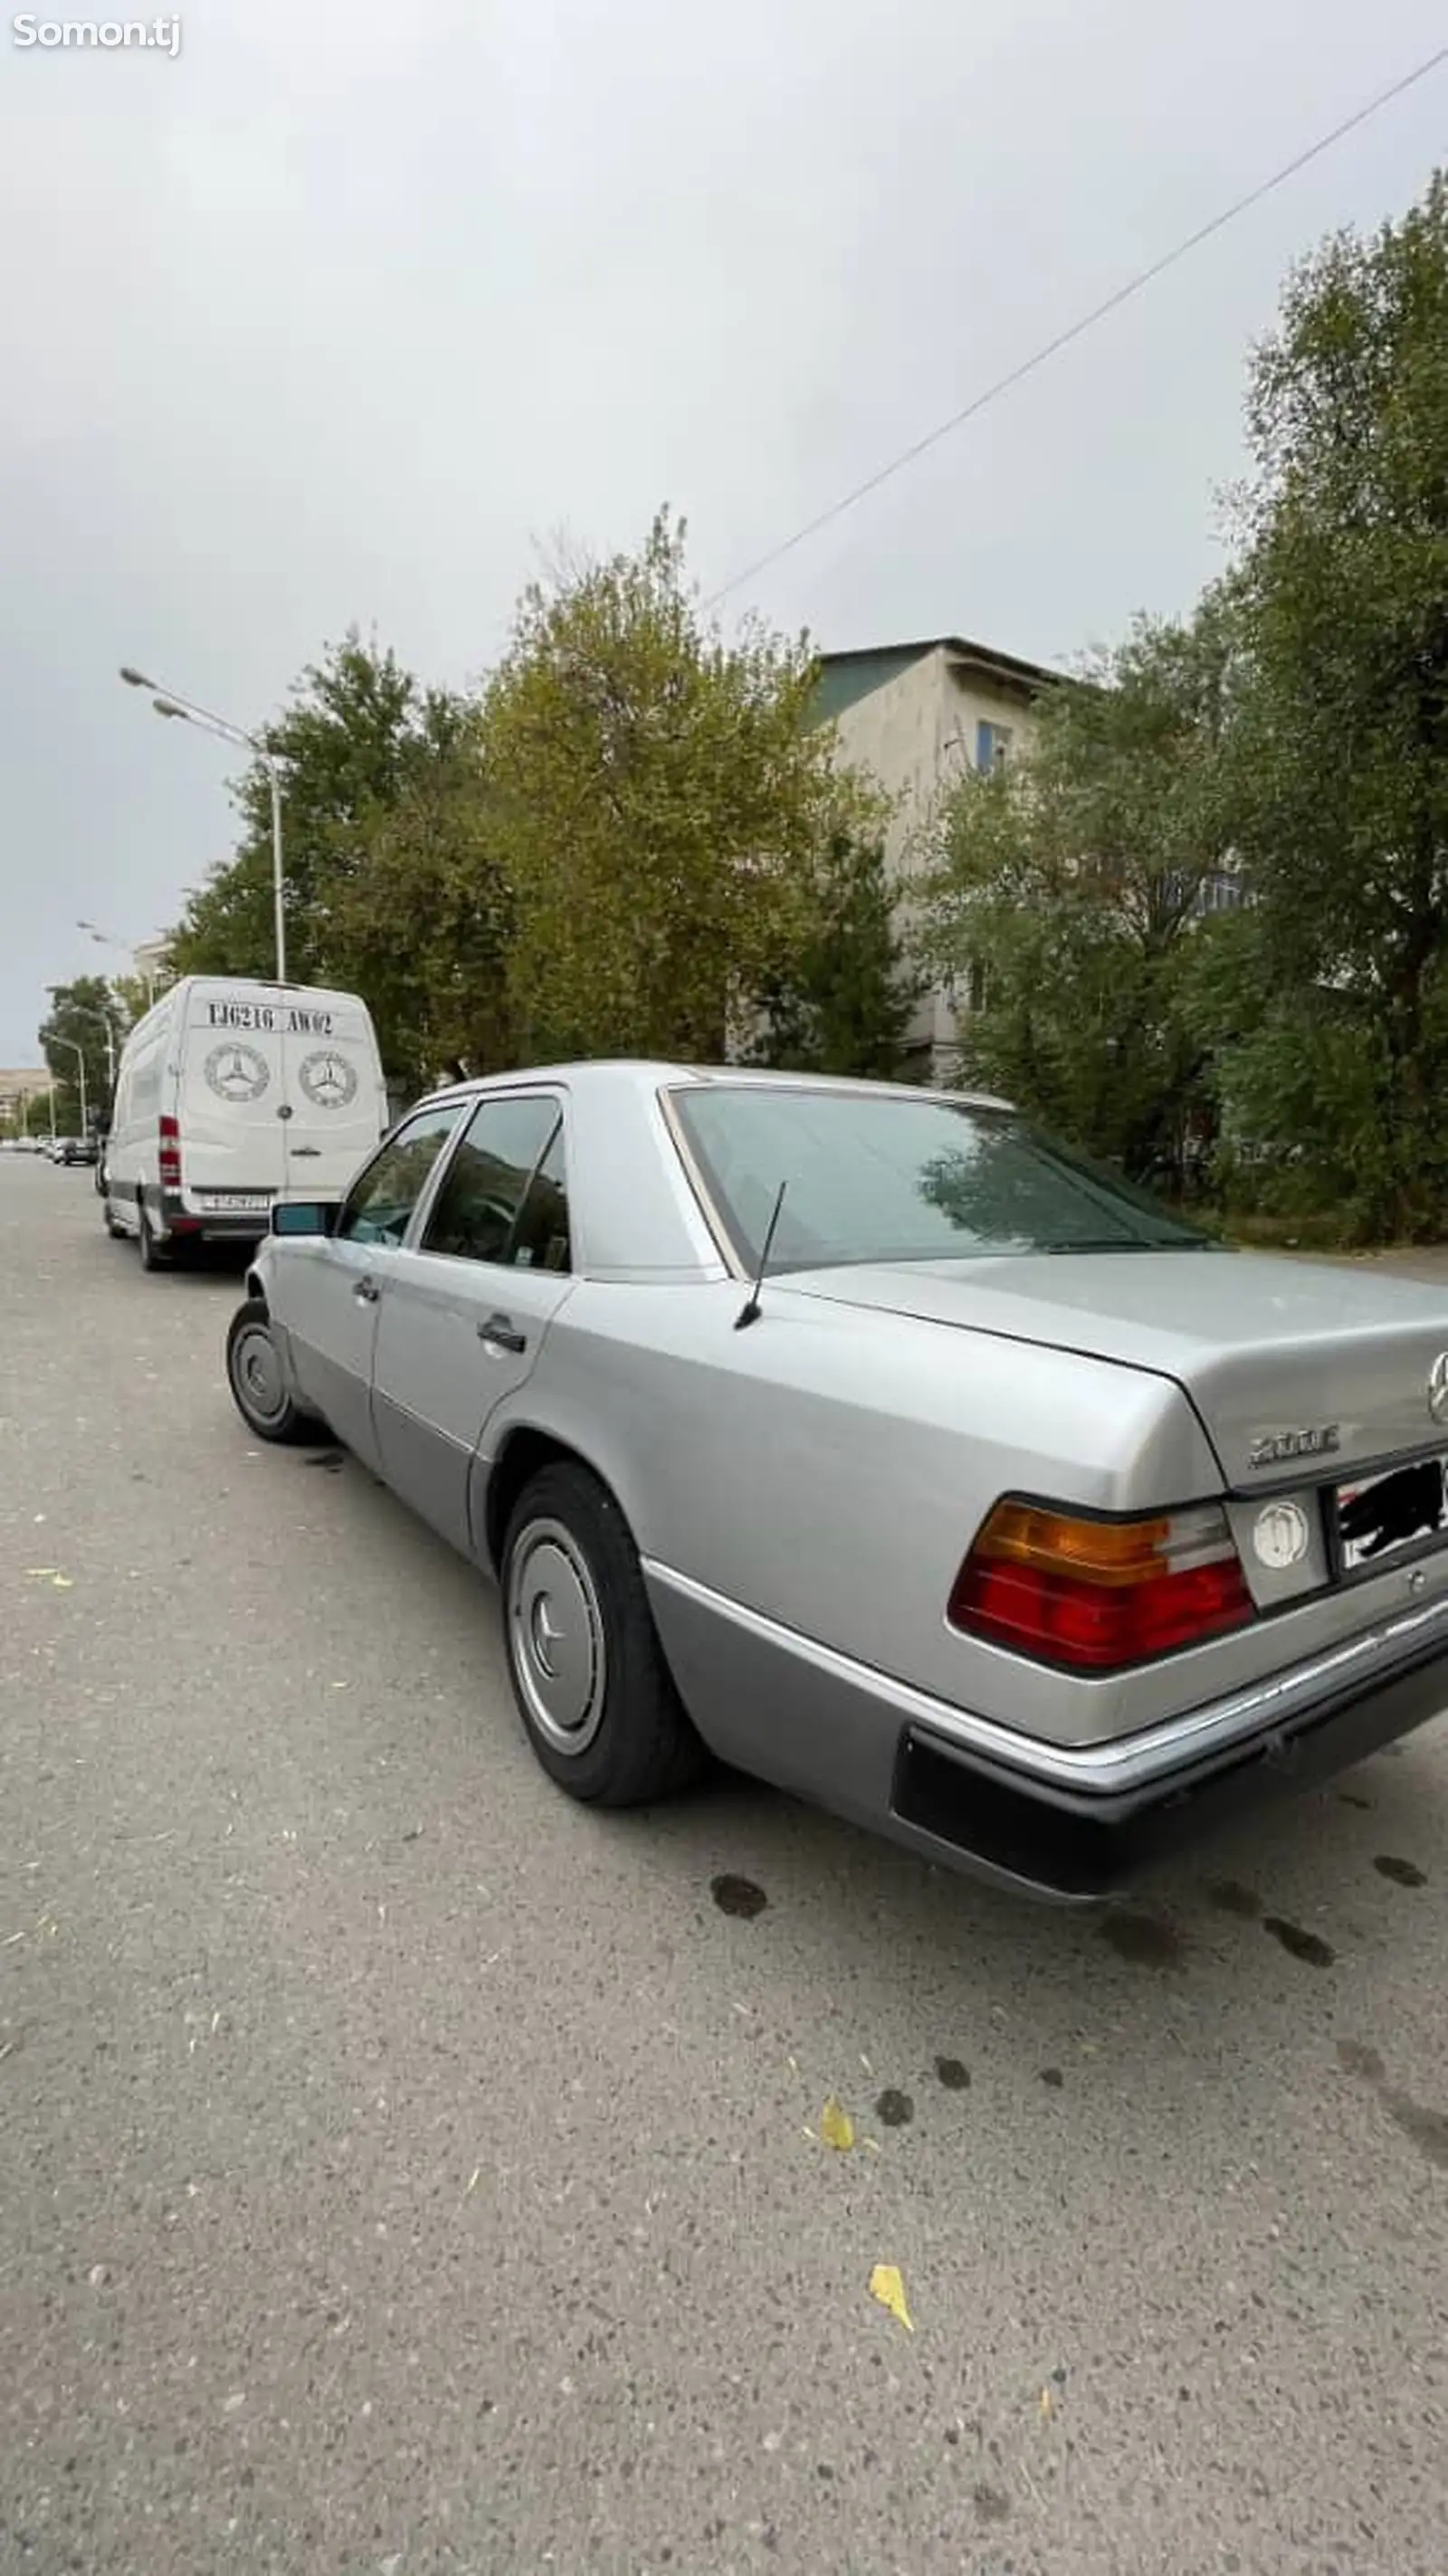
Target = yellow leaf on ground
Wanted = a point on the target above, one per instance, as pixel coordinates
(836, 2127)
(887, 2286)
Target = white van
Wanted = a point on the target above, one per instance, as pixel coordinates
(231, 1094)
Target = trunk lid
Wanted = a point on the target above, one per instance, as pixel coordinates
(1297, 1370)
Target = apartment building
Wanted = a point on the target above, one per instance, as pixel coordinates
(913, 715)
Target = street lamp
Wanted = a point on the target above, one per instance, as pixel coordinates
(170, 702)
(79, 1055)
(103, 1022)
(108, 939)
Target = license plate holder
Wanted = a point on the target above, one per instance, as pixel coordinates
(1399, 1513)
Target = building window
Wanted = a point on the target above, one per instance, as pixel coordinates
(975, 986)
(1219, 894)
(992, 745)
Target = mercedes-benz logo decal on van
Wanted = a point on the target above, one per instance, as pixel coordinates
(328, 1079)
(237, 1073)
(1438, 1387)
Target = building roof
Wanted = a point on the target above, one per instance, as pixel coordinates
(847, 677)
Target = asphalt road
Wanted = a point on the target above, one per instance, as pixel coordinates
(404, 2171)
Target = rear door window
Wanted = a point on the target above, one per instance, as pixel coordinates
(488, 1184)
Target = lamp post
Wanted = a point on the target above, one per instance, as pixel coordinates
(103, 1023)
(108, 939)
(170, 702)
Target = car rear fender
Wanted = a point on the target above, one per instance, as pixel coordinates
(830, 1472)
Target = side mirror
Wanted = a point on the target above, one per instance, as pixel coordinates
(303, 1216)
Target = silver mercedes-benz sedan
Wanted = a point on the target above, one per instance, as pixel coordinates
(867, 1439)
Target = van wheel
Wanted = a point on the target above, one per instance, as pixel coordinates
(153, 1255)
(116, 1232)
(257, 1381)
(596, 1698)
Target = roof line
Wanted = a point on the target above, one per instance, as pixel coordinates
(986, 655)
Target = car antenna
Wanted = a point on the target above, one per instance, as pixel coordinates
(750, 1310)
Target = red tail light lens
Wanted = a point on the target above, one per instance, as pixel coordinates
(169, 1157)
(1098, 1596)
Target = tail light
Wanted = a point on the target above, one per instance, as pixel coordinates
(169, 1157)
(1097, 1596)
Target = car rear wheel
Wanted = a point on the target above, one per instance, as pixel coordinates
(257, 1379)
(596, 1698)
(154, 1256)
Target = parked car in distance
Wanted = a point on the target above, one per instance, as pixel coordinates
(869, 1440)
(230, 1094)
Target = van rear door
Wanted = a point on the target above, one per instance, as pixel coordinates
(232, 1094)
(335, 1101)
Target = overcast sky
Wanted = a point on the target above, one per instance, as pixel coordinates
(339, 314)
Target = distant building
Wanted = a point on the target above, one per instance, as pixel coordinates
(151, 962)
(17, 1089)
(914, 715)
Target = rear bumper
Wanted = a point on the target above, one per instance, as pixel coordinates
(1076, 1823)
(170, 1215)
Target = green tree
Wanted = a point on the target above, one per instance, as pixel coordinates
(660, 802)
(844, 1000)
(81, 1014)
(1060, 895)
(424, 926)
(357, 735)
(1330, 1006)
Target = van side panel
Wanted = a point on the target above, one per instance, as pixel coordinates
(145, 1087)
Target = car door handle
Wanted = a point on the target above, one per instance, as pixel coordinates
(502, 1334)
(366, 1292)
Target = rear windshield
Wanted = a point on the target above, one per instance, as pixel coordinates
(888, 1177)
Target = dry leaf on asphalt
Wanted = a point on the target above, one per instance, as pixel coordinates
(887, 2286)
(836, 2127)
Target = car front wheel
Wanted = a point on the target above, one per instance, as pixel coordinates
(594, 1693)
(258, 1381)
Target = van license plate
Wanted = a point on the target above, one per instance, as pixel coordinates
(1382, 1517)
(236, 1202)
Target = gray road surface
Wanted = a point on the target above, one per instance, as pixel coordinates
(404, 2172)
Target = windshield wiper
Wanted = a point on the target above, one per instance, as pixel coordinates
(1117, 1243)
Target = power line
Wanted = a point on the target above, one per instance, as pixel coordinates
(1077, 329)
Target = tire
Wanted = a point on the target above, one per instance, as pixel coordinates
(153, 1255)
(254, 1375)
(116, 1232)
(603, 1717)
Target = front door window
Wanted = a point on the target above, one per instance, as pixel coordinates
(379, 1206)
